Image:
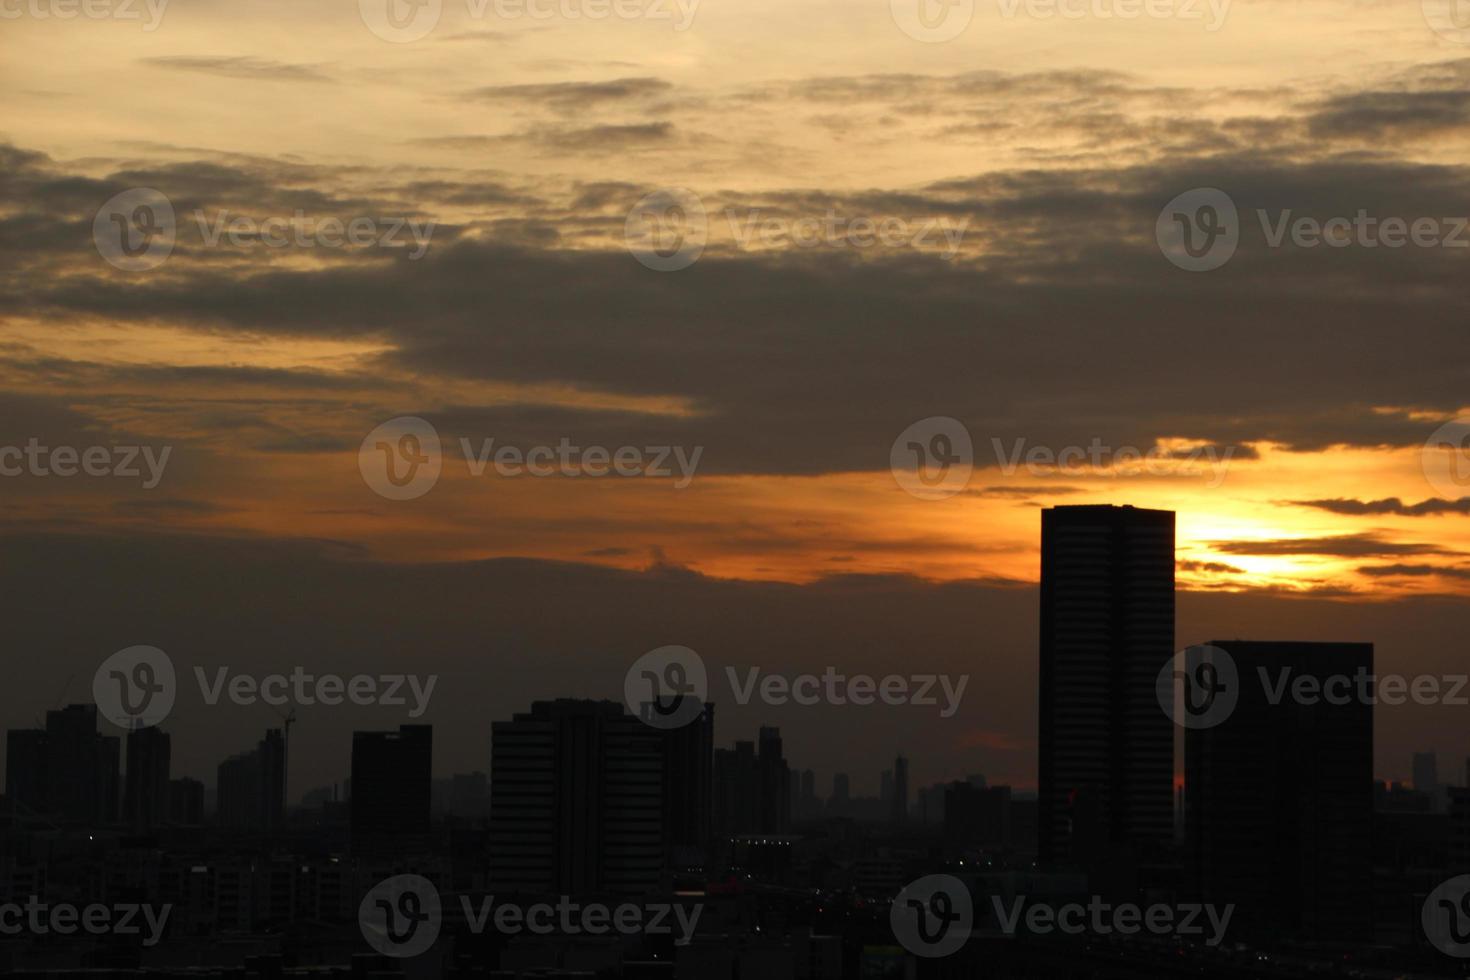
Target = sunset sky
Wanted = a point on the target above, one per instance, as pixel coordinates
(1048, 145)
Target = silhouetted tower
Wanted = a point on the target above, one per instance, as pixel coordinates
(1107, 628)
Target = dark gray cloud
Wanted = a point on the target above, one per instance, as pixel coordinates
(241, 66)
(567, 96)
(1388, 505)
(1366, 545)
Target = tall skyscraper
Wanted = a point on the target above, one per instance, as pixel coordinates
(68, 770)
(775, 777)
(576, 801)
(146, 797)
(186, 802)
(841, 790)
(737, 790)
(252, 786)
(1106, 763)
(1426, 778)
(1279, 797)
(688, 788)
(25, 768)
(899, 810)
(392, 779)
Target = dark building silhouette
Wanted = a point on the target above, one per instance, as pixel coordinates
(775, 783)
(737, 790)
(976, 815)
(252, 786)
(392, 787)
(68, 770)
(25, 768)
(752, 791)
(186, 802)
(899, 812)
(688, 790)
(146, 792)
(576, 800)
(1106, 762)
(841, 791)
(1426, 778)
(1279, 797)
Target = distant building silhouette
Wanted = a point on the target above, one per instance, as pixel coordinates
(186, 802)
(392, 777)
(688, 787)
(146, 794)
(1106, 769)
(251, 786)
(1279, 797)
(752, 791)
(899, 813)
(68, 770)
(775, 781)
(1426, 779)
(841, 791)
(576, 801)
(1459, 836)
(737, 790)
(976, 816)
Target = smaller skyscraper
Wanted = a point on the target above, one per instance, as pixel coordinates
(899, 810)
(68, 769)
(1279, 796)
(146, 798)
(251, 786)
(1426, 779)
(392, 789)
